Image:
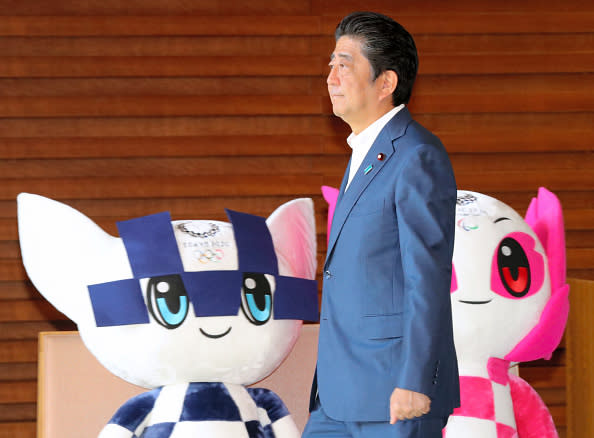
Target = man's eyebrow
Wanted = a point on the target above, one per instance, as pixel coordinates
(341, 55)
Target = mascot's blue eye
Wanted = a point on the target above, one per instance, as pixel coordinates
(256, 298)
(167, 300)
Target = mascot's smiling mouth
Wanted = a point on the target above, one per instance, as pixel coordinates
(208, 335)
(475, 302)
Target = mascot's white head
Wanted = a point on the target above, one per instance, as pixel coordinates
(183, 301)
(508, 302)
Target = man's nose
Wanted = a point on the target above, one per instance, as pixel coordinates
(332, 78)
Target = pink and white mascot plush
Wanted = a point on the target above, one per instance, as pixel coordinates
(193, 310)
(510, 304)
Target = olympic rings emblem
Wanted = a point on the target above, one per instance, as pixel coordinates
(209, 255)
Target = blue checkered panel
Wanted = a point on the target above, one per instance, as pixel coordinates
(270, 402)
(209, 402)
(198, 410)
(160, 430)
(132, 413)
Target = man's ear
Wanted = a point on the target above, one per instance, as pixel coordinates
(64, 251)
(389, 81)
(293, 230)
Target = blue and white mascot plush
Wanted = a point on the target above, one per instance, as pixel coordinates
(193, 310)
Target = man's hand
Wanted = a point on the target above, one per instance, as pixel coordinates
(405, 404)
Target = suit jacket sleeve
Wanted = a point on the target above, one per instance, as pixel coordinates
(425, 210)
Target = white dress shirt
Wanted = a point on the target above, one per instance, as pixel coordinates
(362, 142)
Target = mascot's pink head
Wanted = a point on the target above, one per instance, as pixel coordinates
(509, 297)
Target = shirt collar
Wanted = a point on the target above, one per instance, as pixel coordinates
(369, 134)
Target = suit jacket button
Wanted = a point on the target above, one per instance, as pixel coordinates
(328, 274)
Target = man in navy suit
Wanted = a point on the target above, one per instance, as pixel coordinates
(386, 359)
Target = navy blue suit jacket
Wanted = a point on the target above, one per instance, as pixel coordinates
(386, 314)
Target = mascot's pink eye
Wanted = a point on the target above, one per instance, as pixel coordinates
(514, 268)
(518, 269)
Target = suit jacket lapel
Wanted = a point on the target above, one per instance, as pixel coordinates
(343, 184)
(369, 168)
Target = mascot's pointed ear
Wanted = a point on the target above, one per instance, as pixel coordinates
(545, 217)
(293, 230)
(331, 196)
(64, 251)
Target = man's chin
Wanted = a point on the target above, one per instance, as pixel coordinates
(337, 111)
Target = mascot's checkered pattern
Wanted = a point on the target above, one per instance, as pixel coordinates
(199, 410)
(486, 409)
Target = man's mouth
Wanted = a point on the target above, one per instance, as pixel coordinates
(217, 336)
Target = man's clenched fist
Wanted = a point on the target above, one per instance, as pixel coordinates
(405, 404)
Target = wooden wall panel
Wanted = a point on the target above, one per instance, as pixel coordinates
(123, 109)
(580, 384)
(155, 7)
